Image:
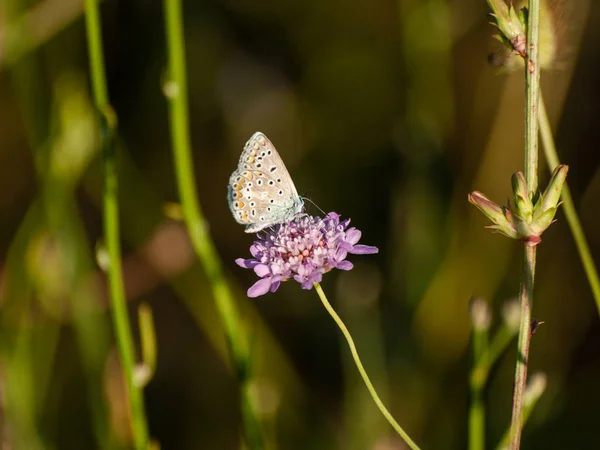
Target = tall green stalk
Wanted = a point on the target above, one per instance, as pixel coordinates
(480, 338)
(532, 86)
(111, 225)
(568, 207)
(176, 92)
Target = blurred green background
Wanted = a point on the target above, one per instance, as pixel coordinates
(386, 112)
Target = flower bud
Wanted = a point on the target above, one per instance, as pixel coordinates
(551, 197)
(511, 314)
(501, 216)
(481, 316)
(507, 19)
(523, 204)
(546, 207)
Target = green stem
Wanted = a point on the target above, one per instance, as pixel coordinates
(532, 85)
(176, 92)
(568, 206)
(525, 296)
(111, 226)
(361, 369)
(498, 345)
(535, 389)
(477, 382)
(485, 355)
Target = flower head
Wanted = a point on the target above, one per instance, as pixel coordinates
(303, 248)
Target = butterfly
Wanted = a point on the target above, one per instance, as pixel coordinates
(261, 192)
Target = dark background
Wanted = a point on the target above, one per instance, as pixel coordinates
(386, 112)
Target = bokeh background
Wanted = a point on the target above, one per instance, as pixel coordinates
(388, 112)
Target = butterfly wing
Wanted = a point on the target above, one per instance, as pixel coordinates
(261, 192)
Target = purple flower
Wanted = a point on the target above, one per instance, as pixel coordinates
(303, 249)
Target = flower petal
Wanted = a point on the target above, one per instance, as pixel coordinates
(261, 287)
(340, 254)
(246, 263)
(335, 217)
(261, 270)
(363, 250)
(353, 235)
(344, 265)
(275, 285)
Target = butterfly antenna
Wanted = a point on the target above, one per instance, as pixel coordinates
(317, 206)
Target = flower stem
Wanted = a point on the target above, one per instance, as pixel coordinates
(477, 381)
(524, 341)
(532, 89)
(111, 225)
(535, 389)
(568, 206)
(361, 369)
(176, 93)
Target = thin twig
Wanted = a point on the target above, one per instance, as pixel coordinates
(176, 92)
(477, 382)
(568, 207)
(532, 84)
(111, 225)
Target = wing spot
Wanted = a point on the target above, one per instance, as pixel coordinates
(259, 182)
(280, 192)
(271, 182)
(259, 165)
(279, 180)
(272, 201)
(262, 219)
(263, 154)
(268, 152)
(273, 169)
(269, 208)
(252, 204)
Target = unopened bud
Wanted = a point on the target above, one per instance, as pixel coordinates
(500, 216)
(536, 387)
(511, 313)
(523, 204)
(481, 316)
